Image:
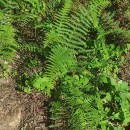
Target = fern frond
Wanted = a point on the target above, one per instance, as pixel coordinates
(74, 38)
(8, 44)
(72, 32)
(62, 18)
(31, 47)
(95, 7)
(60, 61)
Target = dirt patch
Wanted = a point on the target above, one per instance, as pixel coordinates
(124, 71)
(10, 109)
(35, 113)
(19, 110)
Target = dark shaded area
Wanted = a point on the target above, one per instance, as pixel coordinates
(124, 71)
(127, 128)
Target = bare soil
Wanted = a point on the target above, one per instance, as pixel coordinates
(21, 111)
(124, 71)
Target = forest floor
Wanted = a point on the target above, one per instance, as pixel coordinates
(35, 112)
(124, 71)
(31, 110)
(21, 111)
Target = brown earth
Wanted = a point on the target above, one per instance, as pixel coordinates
(124, 71)
(20, 111)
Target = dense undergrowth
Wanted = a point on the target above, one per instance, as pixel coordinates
(70, 50)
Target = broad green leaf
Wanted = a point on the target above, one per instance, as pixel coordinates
(113, 81)
(104, 79)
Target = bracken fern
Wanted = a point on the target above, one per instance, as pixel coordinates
(80, 55)
(7, 42)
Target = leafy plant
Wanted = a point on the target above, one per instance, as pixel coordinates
(91, 107)
(74, 33)
(85, 35)
(60, 62)
(80, 90)
(78, 45)
(8, 44)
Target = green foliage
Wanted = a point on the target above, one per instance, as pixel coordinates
(116, 100)
(42, 83)
(57, 112)
(91, 107)
(86, 34)
(61, 19)
(31, 18)
(60, 62)
(31, 9)
(34, 13)
(90, 102)
(78, 49)
(92, 53)
(7, 42)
